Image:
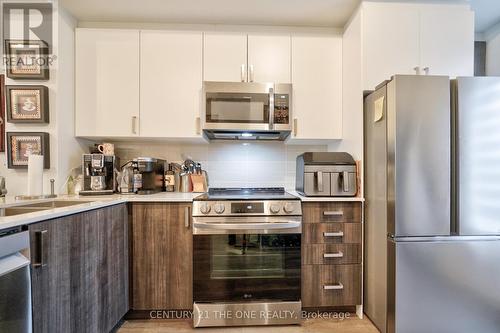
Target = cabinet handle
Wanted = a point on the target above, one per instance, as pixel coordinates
(295, 121)
(417, 70)
(333, 213)
(251, 73)
(198, 125)
(319, 181)
(134, 124)
(40, 244)
(426, 70)
(339, 254)
(187, 216)
(333, 234)
(243, 79)
(338, 286)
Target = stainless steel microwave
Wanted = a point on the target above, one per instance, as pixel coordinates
(247, 110)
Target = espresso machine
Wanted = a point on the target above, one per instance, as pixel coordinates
(99, 174)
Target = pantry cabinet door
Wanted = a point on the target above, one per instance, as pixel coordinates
(171, 83)
(317, 87)
(447, 40)
(269, 58)
(107, 83)
(225, 57)
(390, 41)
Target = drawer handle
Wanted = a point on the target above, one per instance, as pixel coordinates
(333, 234)
(339, 254)
(338, 286)
(333, 213)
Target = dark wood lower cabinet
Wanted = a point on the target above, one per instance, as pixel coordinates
(161, 256)
(331, 254)
(80, 271)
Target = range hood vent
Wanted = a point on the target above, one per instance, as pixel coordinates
(247, 135)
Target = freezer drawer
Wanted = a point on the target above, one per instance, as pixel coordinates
(444, 286)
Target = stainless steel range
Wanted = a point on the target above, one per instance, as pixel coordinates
(246, 263)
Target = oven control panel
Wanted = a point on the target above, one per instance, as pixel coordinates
(244, 207)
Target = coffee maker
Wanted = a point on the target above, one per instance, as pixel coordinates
(152, 171)
(99, 174)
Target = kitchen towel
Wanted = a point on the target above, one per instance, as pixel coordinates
(35, 174)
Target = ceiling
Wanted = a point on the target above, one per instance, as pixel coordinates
(318, 13)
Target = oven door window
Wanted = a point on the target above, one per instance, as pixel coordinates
(237, 108)
(246, 267)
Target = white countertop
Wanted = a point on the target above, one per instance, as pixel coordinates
(94, 202)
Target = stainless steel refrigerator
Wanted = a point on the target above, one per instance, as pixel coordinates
(432, 213)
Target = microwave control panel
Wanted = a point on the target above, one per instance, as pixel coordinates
(281, 109)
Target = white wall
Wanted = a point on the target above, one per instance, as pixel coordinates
(493, 56)
(65, 150)
(70, 149)
(230, 163)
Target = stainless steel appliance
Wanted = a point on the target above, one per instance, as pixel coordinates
(246, 260)
(326, 174)
(99, 174)
(247, 110)
(15, 282)
(152, 172)
(432, 226)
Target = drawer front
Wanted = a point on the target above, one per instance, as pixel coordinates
(323, 212)
(331, 233)
(317, 183)
(331, 285)
(331, 254)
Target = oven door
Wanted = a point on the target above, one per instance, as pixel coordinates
(245, 261)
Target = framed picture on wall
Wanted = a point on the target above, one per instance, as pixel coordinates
(27, 59)
(21, 144)
(2, 113)
(27, 104)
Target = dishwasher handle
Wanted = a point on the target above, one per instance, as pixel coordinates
(40, 239)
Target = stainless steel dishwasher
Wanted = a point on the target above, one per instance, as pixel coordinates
(15, 282)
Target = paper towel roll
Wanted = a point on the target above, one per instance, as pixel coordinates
(35, 174)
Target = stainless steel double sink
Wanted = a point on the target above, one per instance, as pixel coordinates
(38, 207)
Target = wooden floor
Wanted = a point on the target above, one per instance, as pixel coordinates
(348, 325)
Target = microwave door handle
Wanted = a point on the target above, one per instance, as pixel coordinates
(271, 108)
(345, 181)
(319, 180)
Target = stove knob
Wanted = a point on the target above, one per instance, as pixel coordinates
(205, 208)
(219, 208)
(275, 208)
(289, 207)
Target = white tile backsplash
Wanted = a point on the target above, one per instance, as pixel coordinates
(229, 164)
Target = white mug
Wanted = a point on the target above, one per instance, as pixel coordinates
(107, 148)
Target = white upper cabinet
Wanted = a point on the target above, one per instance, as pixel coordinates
(225, 57)
(391, 41)
(447, 40)
(171, 83)
(107, 83)
(399, 38)
(317, 87)
(269, 58)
